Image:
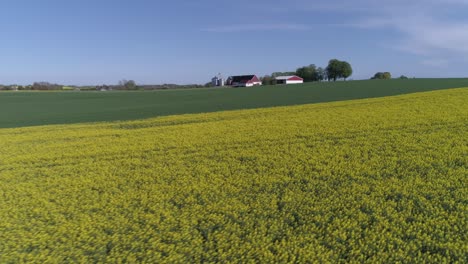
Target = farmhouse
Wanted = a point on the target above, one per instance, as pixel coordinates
(289, 79)
(244, 81)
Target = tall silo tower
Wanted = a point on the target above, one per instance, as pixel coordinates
(220, 79)
(214, 81)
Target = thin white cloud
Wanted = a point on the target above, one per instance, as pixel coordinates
(426, 26)
(363, 6)
(257, 27)
(422, 34)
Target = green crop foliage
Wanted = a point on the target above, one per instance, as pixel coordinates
(380, 180)
(20, 109)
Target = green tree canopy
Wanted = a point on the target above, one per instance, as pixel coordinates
(127, 85)
(276, 74)
(333, 69)
(337, 69)
(321, 74)
(345, 70)
(308, 73)
(268, 80)
(382, 76)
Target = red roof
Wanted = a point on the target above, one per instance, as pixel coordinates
(289, 78)
(295, 78)
(245, 79)
(254, 79)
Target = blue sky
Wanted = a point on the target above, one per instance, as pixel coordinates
(102, 41)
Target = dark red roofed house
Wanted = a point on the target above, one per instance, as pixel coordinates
(244, 81)
(289, 80)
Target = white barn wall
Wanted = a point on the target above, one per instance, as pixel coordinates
(294, 82)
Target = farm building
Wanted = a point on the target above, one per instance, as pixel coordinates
(217, 81)
(289, 79)
(244, 81)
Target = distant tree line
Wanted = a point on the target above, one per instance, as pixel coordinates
(37, 86)
(46, 86)
(131, 85)
(335, 70)
(170, 86)
(40, 86)
(124, 85)
(11, 87)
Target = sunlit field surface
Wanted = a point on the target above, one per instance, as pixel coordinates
(372, 180)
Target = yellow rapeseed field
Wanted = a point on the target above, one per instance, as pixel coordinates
(378, 180)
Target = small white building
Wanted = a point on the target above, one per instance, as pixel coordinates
(289, 79)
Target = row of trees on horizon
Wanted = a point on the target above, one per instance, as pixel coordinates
(122, 85)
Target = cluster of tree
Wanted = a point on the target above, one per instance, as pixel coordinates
(268, 80)
(335, 70)
(312, 73)
(11, 87)
(382, 76)
(126, 85)
(276, 74)
(38, 86)
(45, 86)
(386, 76)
